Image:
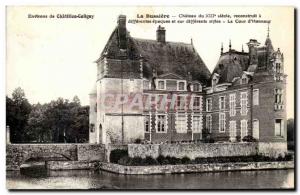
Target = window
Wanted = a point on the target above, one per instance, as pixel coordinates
(214, 82)
(196, 103)
(222, 102)
(279, 127)
(161, 124)
(196, 87)
(146, 84)
(208, 104)
(222, 122)
(147, 123)
(244, 103)
(161, 85)
(278, 99)
(244, 128)
(278, 68)
(232, 130)
(181, 123)
(255, 97)
(278, 96)
(92, 127)
(256, 129)
(197, 126)
(208, 124)
(244, 80)
(180, 102)
(232, 105)
(181, 86)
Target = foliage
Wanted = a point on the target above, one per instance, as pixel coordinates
(58, 121)
(137, 141)
(117, 154)
(249, 138)
(17, 112)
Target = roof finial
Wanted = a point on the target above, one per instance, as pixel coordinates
(242, 48)
(222, 48)
(191, 41)
(229, 44)
(268, 30)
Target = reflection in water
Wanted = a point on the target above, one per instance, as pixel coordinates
(40, 178)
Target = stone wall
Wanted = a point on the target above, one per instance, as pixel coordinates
(193, 150)
(91, 152)
(17, 154)
(144, 150)
(194, 168)
(111, 147)
(273, 149)
(70, 165)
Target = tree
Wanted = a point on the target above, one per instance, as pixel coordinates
(17, 113)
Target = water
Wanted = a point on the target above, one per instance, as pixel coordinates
(39, 178)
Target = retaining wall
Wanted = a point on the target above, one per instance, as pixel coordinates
(194, 168)
(204, 150)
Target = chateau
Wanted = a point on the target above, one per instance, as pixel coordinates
(245, 95)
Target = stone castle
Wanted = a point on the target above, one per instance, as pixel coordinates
(244, 96)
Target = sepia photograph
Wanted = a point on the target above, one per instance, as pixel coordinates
(150, 98)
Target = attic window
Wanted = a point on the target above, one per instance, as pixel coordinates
(214, 82)
(196, 87)
(244, 80)
(146, 84)
(181, 86)
(161, 85)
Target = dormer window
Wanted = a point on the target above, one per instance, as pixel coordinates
(196, 87)
(181, 86)
(146, 84)
(161, 85)
(215, 80)
(244, 80)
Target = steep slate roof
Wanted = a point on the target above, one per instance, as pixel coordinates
(169, 57)
(230, 65)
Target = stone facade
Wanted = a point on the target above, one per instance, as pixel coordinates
(70, 165)
(245, 95)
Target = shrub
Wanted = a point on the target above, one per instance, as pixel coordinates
(288, 157)
(136, 161)
(125, 160)
(173, 160)
(162, 160)
(117, 154)
(138, 141)
(185, 160)
(249, 138)
(149, 161)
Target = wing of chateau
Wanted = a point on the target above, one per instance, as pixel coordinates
(243, 97)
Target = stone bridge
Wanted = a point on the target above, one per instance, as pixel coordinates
(17, 154)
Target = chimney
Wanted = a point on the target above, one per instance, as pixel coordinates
(161, 34)
(122, 32)
(253, 44)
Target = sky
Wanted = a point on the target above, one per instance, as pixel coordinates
(51, 58)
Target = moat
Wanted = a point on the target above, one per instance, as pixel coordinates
(40, 178)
